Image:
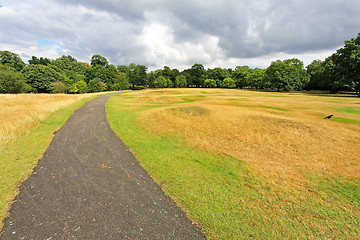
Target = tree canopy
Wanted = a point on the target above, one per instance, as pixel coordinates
(340, 71)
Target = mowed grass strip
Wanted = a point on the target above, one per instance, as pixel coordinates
(29, 127)
(232, 197)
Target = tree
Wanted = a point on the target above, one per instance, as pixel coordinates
(255, 78)
(96, 85)
(239, 75)
(121, 82)
(210, 83)
(169, 83)
(160, 82)
(69, 65)
(40, 77)
(228, 83)
(11, 59)
(81, 86)
(347, 64)
(217, 74)
(12, 81)
(180, 81)
(288, 75)
(98, 60)
(41, 60)
(316, 73)
(196, 71)
(138, 75)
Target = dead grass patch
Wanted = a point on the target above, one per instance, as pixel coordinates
(281, 147)
(21, 112)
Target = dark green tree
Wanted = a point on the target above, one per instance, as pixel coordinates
(41, 60)
(11, 59)
(217, 74)
(99, 60)
(239, 75)
(40, 77)
(287, 75)
(96, 85)
(12, 81)
(347, 64)
(255, 78)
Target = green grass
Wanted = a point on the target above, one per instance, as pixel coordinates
(18, 158)
(227, 199)
(345, 120)
(349, 110)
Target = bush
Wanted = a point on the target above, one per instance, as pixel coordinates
(59, 87)
(210, 83)
(228, 83)
(160, 82)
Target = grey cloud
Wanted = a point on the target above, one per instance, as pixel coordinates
(244, 28)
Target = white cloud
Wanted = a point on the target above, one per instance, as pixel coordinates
(178, 34)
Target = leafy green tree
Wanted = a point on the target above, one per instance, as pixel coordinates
(69, 65)
(288, 75)
(11, 59)
(40, 77)
(161, 82)
(169, 83)
(180, 81)
(217, 74)
(228, 83)
(347, 64)
(124, 69)
(41, 60)
(139, 76)
(210, 83)
(99, 60)
(12, 81)
(151, 79)
(255, 78)
(121, 82)
(316, 73)
(196, 72)
(174, 74)
(96, 85)
(166, 72)
(81, 86)
(239, 75)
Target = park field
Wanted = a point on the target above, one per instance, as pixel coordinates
(27, 124)
(247, 164)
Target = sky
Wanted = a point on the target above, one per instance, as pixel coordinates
(178, 34)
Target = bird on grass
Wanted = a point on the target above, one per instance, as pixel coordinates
(328, 117)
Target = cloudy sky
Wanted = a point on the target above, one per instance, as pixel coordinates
(155, 33)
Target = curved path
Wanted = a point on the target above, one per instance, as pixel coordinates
(89, 186)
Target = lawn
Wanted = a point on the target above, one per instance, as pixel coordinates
(247, 164)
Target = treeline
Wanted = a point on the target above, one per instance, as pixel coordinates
(340, 71)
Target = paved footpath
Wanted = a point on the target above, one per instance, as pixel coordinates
(89, 186)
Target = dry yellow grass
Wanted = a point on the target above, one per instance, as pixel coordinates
(21, 112)
(282, 135)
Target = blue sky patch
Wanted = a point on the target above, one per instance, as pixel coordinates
(45, 42)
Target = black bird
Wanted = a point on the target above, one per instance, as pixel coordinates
(328, 117)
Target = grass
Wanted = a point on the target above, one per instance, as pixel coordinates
(26, 129)
(248, 172)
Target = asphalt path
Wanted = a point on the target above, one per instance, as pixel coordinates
(88, 185)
